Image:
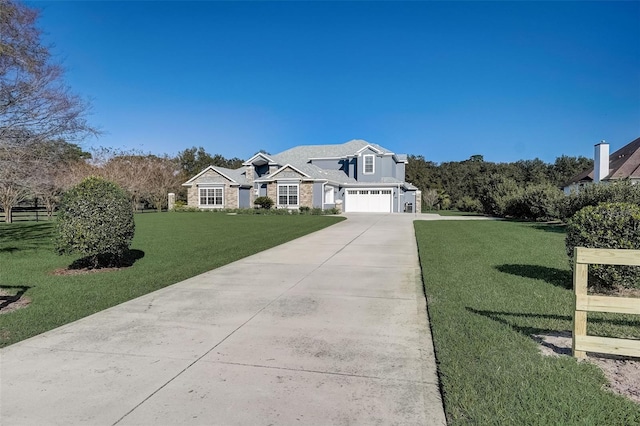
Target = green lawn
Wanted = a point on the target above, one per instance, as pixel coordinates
(172, 246)
(490, 286)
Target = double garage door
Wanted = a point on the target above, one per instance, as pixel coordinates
(368, 200)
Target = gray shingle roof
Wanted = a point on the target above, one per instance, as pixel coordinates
(302, 153)
(238, 175)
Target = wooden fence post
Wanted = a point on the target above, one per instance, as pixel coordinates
(580, 274)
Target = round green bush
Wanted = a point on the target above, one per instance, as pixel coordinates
(264, 202)
(610, 226)
(96, 220)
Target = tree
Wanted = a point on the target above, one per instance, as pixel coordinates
(566, 167)
(422, 173)
(67, 167)
(430, 198)
(193, 160)
(96, 220)
(163, 178)
(35, 105)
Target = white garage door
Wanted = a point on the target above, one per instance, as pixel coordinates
(368, 200)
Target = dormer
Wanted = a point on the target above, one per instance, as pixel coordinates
(259, 165)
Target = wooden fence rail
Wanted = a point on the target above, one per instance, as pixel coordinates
(28, 214)
(583, 343)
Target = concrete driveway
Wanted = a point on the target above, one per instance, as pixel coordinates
(328, 329)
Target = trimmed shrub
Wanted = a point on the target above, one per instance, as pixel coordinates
(610, 226)
(304, 209)
(264, 202)
(536, 202)
(96, 220)
(468, 204)
(497, 193)
(604, 192)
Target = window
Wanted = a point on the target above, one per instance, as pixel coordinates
(288, 195)
(368, 167)
(211, 197)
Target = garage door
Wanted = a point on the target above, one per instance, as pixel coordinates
(368, 200)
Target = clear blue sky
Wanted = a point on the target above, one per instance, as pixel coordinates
(508, 80)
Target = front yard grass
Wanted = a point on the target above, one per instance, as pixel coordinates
(490, 286)
(171, 247)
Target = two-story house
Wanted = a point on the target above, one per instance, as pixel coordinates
(356, 176)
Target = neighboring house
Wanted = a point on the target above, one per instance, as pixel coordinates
(622, 164)
(356, 176)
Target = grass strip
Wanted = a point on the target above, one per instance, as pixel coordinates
(490, 286)
(172, 246)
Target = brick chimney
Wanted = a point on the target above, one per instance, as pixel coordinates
(601, 161)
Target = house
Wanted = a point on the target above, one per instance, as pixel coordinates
(356, 176)
(622, 164)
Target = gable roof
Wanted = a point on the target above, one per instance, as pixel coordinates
(265, 158)
(289, 166)
(623, 164)
(234, 176)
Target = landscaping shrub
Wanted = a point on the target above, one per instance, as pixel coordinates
(264, 202)
(610, 226)
(304, 209)
(95, 219)
(497, 193)
(179, 204)
(536, 202)
(468, 204)
(604, 192)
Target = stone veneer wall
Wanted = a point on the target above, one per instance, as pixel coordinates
(211, 177)
(306, 194)
(418, 201)
(272, 192)
(192, 196)
(230, 197)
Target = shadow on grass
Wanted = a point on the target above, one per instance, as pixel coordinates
(509, 319)
(25, 236)
(558, 277)
(557, 228)
(107, 260)
(7, 300)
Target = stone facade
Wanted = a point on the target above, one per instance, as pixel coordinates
(211, 177)
(272, 191)
(231, 197)
(306, 194)
(418, 201)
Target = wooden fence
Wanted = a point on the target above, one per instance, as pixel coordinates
(23, 214)
(583, 343)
